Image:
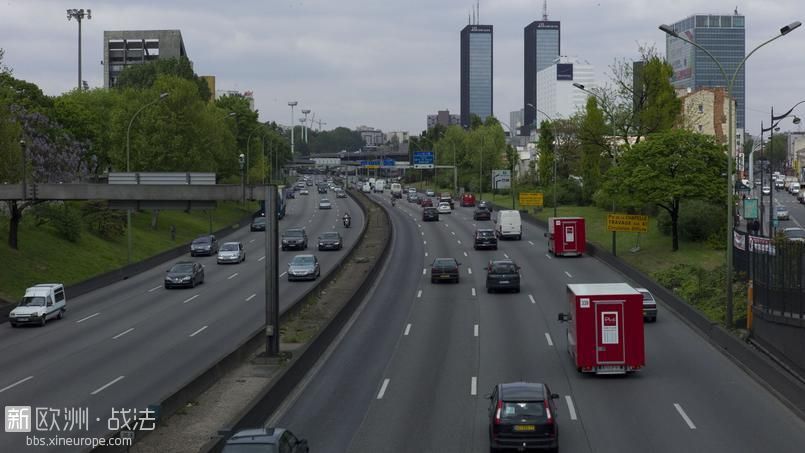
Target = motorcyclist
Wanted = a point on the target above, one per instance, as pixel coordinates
(393, 201)
(347, 220)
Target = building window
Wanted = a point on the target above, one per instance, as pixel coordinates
(700, 128)
(701, 108)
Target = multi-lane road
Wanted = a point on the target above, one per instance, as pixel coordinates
(131, 344)
(411, 372)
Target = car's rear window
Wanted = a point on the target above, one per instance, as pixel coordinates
(299, 260)
(529, 410)
(444, 263)
(503, 268)
(229, 247)
(259, 220)
(294, 233)
(486, 233)
(201, 241)
(329, 235)
(251, 448)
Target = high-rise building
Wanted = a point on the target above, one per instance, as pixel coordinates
(125, 48)
(556, 94)
(541, 45)
(476, 72)
(725, 38)
(444, 118)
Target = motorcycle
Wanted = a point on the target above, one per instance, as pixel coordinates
(393, 202)
(347, 222)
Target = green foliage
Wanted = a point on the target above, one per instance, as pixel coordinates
(661, 107)
(703, 289)
(594, 145)
(340, 138)
(106, 223)
(699, 221)
(24, 94)
(64, 218)
(545, 149)
(144, 76)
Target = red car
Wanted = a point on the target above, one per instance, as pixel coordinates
(427, 203)
(468, 200)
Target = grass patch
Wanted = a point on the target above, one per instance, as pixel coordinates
(45, 257)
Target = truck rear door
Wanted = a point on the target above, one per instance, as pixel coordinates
(610, 345)
(569, 237)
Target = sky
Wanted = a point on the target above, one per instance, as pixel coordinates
(385, 64)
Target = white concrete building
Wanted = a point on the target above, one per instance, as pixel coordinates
(556, 94)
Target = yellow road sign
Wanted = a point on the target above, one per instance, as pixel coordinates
(531, 199)
(627, 223)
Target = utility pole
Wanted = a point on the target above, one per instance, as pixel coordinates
(292, 104)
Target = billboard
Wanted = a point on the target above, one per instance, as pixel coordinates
(627, 223)
(680, 57)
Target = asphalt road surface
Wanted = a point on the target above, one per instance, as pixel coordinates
(411, 373)
(133, 343)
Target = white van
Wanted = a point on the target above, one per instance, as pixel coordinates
(380, 186)
(40, 303)
(794, 188)
(367, 188)
(508, 224)
(396, 190)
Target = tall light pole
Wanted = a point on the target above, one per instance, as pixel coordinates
(292, 104)
(79, 15)
(775, 120)
(305, 112)
(128, 166)
(729, 81)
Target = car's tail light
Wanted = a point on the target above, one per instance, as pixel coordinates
(548, 412)
(497, 412)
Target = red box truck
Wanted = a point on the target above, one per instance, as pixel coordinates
(605, 328)
(566, 236)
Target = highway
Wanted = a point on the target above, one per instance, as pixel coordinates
(133, 343)
(411, 373)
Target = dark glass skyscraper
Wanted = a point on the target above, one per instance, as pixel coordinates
(725, 38)
(541, 49)
(476, 72)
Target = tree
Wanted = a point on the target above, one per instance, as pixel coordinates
(594, 144)
(667, 168)
(145, 75)
(545, 148)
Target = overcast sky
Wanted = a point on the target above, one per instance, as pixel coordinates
(381, 63)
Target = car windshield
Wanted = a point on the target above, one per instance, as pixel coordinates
(259, 220)
(204, 240)
(302, 261)
(32, 302)
(329, 235)
(444, 262)
(182, 268)
(294, 233)
(523, 410)
(780, 209)
(795, 233)
(486, 233)
(230, 248)
(503, 268)
(324, 200)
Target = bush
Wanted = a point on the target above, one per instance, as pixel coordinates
(107, 223)
(699, 221)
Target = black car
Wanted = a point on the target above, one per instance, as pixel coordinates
(269, 440)
(258, 224)
(481, 213)
(322, 189)
(294, 238)
(502, 274)
(485, 239)
(204, 245)
(413, 197)
(522, 415)
(430, 214)
(330, 240)
(184, 274)
(444, 270)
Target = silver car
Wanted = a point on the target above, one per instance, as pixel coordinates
(781, 213)
(303, 267)
(325, 204)
(231, 252)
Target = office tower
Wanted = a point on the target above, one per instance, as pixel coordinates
(476, 72)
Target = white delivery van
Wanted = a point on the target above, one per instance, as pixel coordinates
(794, 188)
(380, 186)
(367, 188)
(396, 190)
(40, 303)
(508, 224)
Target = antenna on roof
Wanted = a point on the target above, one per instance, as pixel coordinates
(736, 10)
(478, 16)
(473, 17)
(545, 10)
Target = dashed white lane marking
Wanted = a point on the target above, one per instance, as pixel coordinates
(530, 242)
(571, 409)
(684, 416)
(423, 233)
(232, 276)
(548, 339)
(568, 274)
(189, 299)
(122, 333)
(419, 294)
(469, 270)
(465, 254)
(475, 330)
(424, 271)
(407, 329)
(88, 317)
(283, 274)
(419, 225)
(112, 382)
(383, 389)
(506, 256)
(261, 258)
(473, 385)
(532, 299)
(251, 297)
(16, 384)
(454, 233)
(426, 254)
(446, 225)
(547, 255)
(424, 242)
(459, 242)
(473, 291)
(154, 288)
(251, 241)
(198, 331)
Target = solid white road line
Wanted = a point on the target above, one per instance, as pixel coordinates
(154, 288)
(571, 409)
(475, 330)
(198, 331)
(469, 270)
(465, 254)
(16, 384)
(424, 271)
(189, 299)
(251, 241)
(251, 297)
(383, 389)
(684, 416)
(261, 258)
(474, 385)
(88, 317)
(473, 291)
(407, 329)
(232, 276)
(568, 274)
(548, 338)
(283, 274)
(122, 333)
(532, 299)
(530, 242)
(99, 390)
(419, 294)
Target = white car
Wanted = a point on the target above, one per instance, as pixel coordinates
(40, 302)
(766, 190)
(304, 192)
(231, 252)
(444, 208)
(325, 204)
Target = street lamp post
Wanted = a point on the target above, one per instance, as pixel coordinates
(292, 104)
(79, 15)
(305, 112)
(775, 120)
(729, 82)
(128, 166)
